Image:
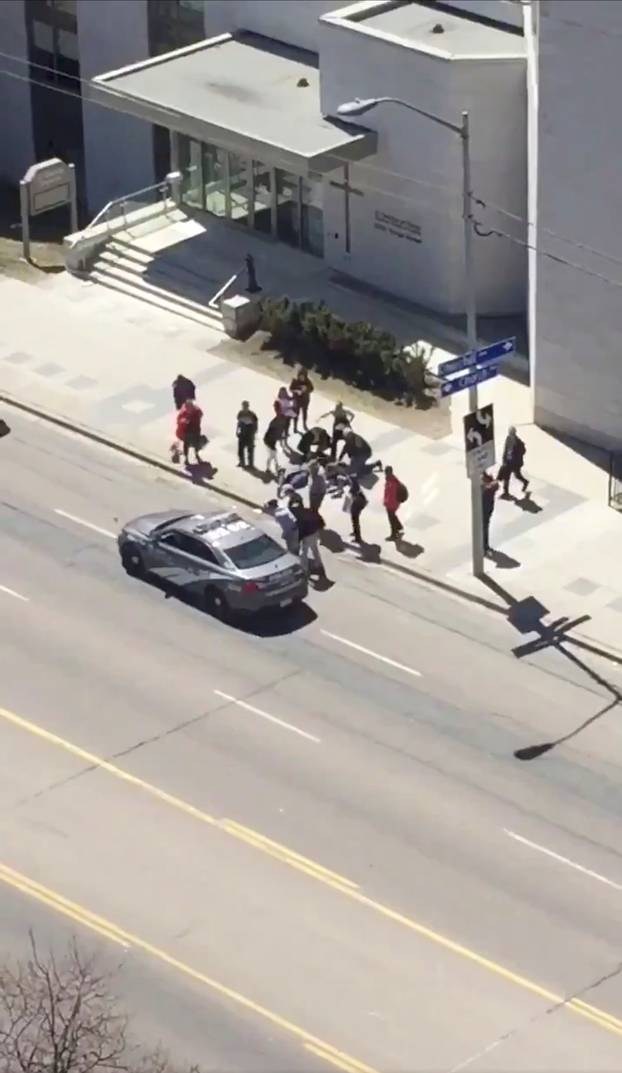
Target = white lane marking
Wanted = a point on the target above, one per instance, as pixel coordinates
(87, 525)
(11, 592)
(265, 715)
(369, 652)
(563, 860)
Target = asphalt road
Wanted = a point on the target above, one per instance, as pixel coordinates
(312, 839)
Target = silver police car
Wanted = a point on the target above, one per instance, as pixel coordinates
(230, 563)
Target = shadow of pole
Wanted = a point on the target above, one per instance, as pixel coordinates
(526, 616)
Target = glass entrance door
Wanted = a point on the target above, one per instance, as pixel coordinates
(215, 179)
(262, 197)
(288, 207)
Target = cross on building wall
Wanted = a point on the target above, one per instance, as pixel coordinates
(347, 190)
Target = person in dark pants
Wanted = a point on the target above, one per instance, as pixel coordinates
(342, 422)
(300, 389)
(512, 462)
(272, 438)
(317, 486)
(358, 502)
(358, 452)
(246, 431)
(183, 389)
(490, 488)
(314, 443)
(392, 501)
(189, 419)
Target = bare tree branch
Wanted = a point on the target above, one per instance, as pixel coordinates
(62, 1016)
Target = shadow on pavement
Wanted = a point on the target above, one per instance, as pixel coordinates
(409, 550)
(332, 541)
(277, 622)
(502, 560)
(528, 505)
(526, 616)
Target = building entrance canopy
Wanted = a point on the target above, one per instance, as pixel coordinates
(247, 94)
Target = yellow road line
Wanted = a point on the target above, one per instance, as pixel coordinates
(112, 931)
(258, 841)
(234, 827)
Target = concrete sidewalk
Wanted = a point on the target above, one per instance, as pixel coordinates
(106, 361)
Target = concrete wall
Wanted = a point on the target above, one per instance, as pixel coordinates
(578, 371)
(118, 150)
(293, 21)
(16, 137)
(355, 64)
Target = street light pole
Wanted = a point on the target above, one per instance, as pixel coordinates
(359, 107)
(477, 528)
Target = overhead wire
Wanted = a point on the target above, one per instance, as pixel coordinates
(360, 181)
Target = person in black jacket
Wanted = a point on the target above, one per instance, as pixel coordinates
(314, 443)
(512, 461)
(246, 430)
(358, 502)
(310, 525)
(183, 389)
(273, 436)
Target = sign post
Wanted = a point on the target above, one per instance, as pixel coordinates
(465, 373)
(46, 186)
(479, 441)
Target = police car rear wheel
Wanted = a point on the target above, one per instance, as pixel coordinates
(132, 560)
(217, 604)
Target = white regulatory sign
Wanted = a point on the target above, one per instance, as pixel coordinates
(479, 441)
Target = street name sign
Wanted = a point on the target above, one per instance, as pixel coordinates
(459, 383)
(496, 352)
(479, 441)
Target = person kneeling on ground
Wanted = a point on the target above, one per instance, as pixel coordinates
(359, 453)
(315, 443)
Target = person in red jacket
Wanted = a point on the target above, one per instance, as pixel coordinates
(392, 501)
(189, 419)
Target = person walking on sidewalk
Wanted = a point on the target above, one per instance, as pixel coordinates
(342, 421)
(246, 431)
(317, 486)
(310, 525)
(300, 389)
(490, 488)
(189, 419)
(512, 462)
(183, 389)
(357, 503)
(395, 493)
(272, 437)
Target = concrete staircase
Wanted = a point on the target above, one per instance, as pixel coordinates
(127, 265)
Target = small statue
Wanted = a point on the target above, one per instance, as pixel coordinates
(253, 286)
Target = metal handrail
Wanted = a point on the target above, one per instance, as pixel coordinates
(213, 301)
(123, 201)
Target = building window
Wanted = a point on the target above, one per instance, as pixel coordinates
(174, 24)
(55, 96)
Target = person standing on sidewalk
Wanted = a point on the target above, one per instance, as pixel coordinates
(288, 411)
(310, 525)
(189, 419)
(342, 422)
(300, 389)
(246, 431)
(490, 488)
(395, 494)
(272, 437)
(288, 523)
(357, 502)
(512, 462)
(183, 389)
(317, 486)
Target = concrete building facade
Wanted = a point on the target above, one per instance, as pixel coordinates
(540, 82)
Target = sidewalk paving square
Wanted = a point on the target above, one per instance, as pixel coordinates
(95, 360)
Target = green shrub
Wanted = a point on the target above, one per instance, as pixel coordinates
(357, 352)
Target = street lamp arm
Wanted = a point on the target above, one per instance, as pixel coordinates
(359, 107)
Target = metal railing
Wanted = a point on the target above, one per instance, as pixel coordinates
(121, 206)
(615, 480)
(213, 302)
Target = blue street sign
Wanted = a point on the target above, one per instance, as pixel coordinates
(459, 383)
(495, 352)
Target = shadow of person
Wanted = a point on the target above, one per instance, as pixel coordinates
(503, 561)
(527, 504)
(369, 553)
(407, 549)
(321, 583)
(332, 541)
(200, 472)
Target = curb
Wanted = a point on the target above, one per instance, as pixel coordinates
(578, 641)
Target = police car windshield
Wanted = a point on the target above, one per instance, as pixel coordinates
(256, 552)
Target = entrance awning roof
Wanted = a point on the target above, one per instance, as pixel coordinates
(244, 93)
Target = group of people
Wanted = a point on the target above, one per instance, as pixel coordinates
(332, 462)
